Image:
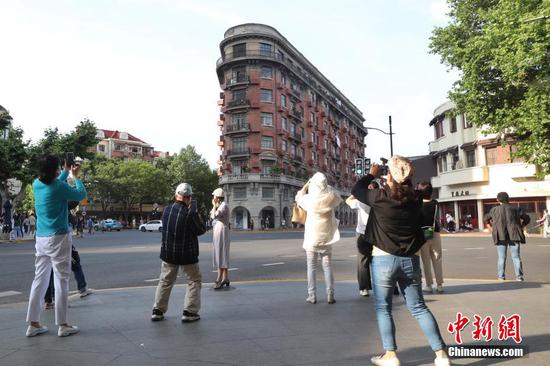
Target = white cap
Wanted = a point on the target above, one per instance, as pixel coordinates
(184, 189)
(218, 192)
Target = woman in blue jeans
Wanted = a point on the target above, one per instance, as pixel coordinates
(394, 228)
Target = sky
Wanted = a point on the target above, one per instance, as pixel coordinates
(147, 67)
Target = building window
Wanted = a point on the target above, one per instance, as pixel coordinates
(292, 150)
(292, 128)
(453, 124)
(268, 192)
(284, 123)
(239, 192)
(239, 143)
(101, 148)
(439, 129)
(283, 101)
(283, 79)
(467, 124)
(240, 166)
(238, 74)
(313, 137)
(470, 158)
(265, 49)
(314, 157)
(266, 72)
(266, 95)
(491, 155)
(267, 165)
(326, 144)
(302, 152)
(239, 94)
(442, 164)
(239, 50)
(267, 142)
(284, 145)
(302, 132)
(312, 117)
(119, 147)
(238, 120)
(455, 160)
(312, 96)
(267, 119)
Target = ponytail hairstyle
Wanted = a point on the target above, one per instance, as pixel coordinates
(403, 192)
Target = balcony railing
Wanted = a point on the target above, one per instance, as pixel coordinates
(296, 136)
(256, 177)
(245, 54)
(296, 113)
(240, 127)
(238, 151)
(238, 103)
(239, 79)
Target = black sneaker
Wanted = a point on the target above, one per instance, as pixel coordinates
(157, 315)
(189, 317)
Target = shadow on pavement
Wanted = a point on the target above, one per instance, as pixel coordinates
(491, 287)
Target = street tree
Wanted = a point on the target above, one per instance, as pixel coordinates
(501, 48)
(190, 167)
(14, 166)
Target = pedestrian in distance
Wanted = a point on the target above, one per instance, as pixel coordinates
(319, 200)
(32, 225)
(26, 225)
(181, 226)
(53, 242)
(90, 226)
(431, 252)
(220, 238)
(18, 225)
(507, 223)
(364, 248)
(545, 222)
(394, 228)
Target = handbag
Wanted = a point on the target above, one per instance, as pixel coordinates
(298, 214)
(429, 230)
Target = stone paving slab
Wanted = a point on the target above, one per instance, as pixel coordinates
(266, 324)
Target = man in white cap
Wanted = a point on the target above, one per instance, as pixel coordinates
(181, 226)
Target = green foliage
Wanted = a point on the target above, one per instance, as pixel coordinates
(190, 167)
(13, 158)
(27, 204)
(501, 48)
(5, 119)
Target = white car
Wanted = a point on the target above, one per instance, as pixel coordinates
(154, 225)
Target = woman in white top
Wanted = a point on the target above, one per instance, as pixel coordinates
(319, 200)
(220, 238)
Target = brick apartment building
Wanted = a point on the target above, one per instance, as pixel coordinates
(122, 145)
(281, 121)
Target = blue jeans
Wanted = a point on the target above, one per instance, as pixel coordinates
(387, 270)
(18, 231)
(502, 247)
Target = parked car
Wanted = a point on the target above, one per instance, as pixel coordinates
(108, 225)
(153, 225)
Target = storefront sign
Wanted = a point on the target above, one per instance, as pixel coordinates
(460, 193)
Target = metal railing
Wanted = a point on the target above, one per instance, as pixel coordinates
(238, 103)
(238, 151)
(238, 127)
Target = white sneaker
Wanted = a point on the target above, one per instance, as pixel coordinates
(34, 331)
(439, 289)
(312, 299)
(364, 292)
(86, 292)
(379, 361)
(428, 289)
(442, 361)
(330, 298)
(65, 331)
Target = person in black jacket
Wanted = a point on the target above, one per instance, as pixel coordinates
(394, 229)
(507, 224)
(181, 226)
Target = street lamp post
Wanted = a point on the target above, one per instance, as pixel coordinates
(386, 133)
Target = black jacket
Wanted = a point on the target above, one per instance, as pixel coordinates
(507, 222)
(393, 226)
(180, 231)
(428, 212)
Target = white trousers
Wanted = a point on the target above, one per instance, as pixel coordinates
(312, 261)
(432, 255)
(51, 252)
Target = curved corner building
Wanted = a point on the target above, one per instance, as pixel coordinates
(281, 121)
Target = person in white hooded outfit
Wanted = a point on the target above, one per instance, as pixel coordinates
(319, 200)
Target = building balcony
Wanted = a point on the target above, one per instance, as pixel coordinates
(294, 112)
(237, 128)
(239, 103)
(261, 178)
(478, 174)
(257, 54)
(237, 80)
(296, 137)
(238, 152)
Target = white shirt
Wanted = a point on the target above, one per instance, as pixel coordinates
(363, 215)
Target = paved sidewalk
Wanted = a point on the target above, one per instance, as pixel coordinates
(266, 324)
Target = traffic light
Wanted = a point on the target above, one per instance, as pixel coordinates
(367, 165)
(359, 167)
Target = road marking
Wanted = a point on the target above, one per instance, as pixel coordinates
(544, 245)
(444, 250)
(272, 264)
(152, 280)
(482, 258)
(474, 248)
(289, 256)
(138, 247)
(352, 256)
(9, 293)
